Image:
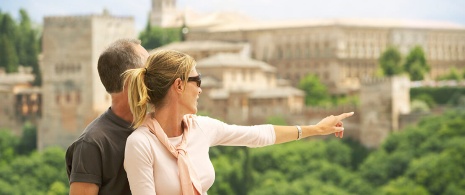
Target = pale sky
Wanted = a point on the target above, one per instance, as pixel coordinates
(437, 10)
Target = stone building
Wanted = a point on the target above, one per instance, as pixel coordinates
(72, 92)
(383, 103)
(244, 91)
(20, 101)
(165, 14)
(203, 49)
(341, 51)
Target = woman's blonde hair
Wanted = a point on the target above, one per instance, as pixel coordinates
(150, 84)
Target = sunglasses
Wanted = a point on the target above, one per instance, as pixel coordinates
(196, 79)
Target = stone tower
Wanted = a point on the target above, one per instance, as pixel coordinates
(382, 102)
(72, 92)
(163, 12)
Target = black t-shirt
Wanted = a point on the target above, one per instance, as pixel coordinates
(97, 155)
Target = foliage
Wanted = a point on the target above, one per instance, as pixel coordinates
(40, 173)
(276, 120)
(452, 75)
(419, 106)
(390, 62)
(28, 141)
(349, 100)
(403, 186)
(415, 64)
(154, 36)
(316, 93)
(306, 167)
(19, 44)
(439, 95)
(419, 155)
(408, 162)
(8, 143)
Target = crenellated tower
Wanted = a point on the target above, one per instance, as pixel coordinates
(72, 92)
(383, 101)
(163, 12)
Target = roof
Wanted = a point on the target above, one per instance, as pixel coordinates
(234, 60)
(201, 20)
(277, 92)
(203, 45)
(379, 23)
(208, 81)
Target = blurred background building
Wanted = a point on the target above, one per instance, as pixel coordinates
(71, 89)
(250, 69)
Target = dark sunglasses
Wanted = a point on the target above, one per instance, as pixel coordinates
(197, 79)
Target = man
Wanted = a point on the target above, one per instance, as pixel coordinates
(94, 161)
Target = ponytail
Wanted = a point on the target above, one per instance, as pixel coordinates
(137, 94)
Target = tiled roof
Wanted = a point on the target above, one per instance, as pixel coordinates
(234, 60)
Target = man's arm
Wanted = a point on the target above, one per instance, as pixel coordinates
(78, 188)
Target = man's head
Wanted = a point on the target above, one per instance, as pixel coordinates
(120, 56)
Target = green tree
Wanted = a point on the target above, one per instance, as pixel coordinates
(28, 51)
(8, 57)
(8, 143)
(276, 120)
(403, 186)
(316, 93)
(421, 154)
(37, 173)
(452, 75)
(391, 62)
(416, 64)
(154, 36)
(28, 141)
(8, 53)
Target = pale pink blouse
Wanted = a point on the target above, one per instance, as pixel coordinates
(152, 169)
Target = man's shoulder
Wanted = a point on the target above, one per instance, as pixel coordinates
(97, 131)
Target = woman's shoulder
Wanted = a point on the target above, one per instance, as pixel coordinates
(140, 134)
(206, 120)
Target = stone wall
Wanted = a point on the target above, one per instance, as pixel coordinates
(72, 92)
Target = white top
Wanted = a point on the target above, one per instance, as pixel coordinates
(152, 169)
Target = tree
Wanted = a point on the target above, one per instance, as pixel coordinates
(416, 65)
(154, 36)
(403, 186)
(452, 75)
(316, 93)
(28, 51)
(276, 120)
(390, 62)
(8, 144)
(8, 53)
(427, 156)
(28, 141)
(19, 45)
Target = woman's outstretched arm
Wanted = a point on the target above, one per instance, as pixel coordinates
(329, 125)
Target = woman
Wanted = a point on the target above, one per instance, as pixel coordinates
(168, 152)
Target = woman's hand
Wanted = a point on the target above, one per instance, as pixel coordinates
(333, 124)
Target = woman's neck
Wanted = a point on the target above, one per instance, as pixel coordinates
(170, 119)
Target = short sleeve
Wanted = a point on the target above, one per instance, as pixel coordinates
(84, 163)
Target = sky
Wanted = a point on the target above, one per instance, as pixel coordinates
(436, 10)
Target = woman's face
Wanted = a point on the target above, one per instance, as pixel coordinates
(192, 92)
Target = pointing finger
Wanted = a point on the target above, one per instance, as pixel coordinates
(344, 115)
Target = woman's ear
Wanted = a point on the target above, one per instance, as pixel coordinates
(178, 84)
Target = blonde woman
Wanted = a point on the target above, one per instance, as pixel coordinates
(168, 151)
